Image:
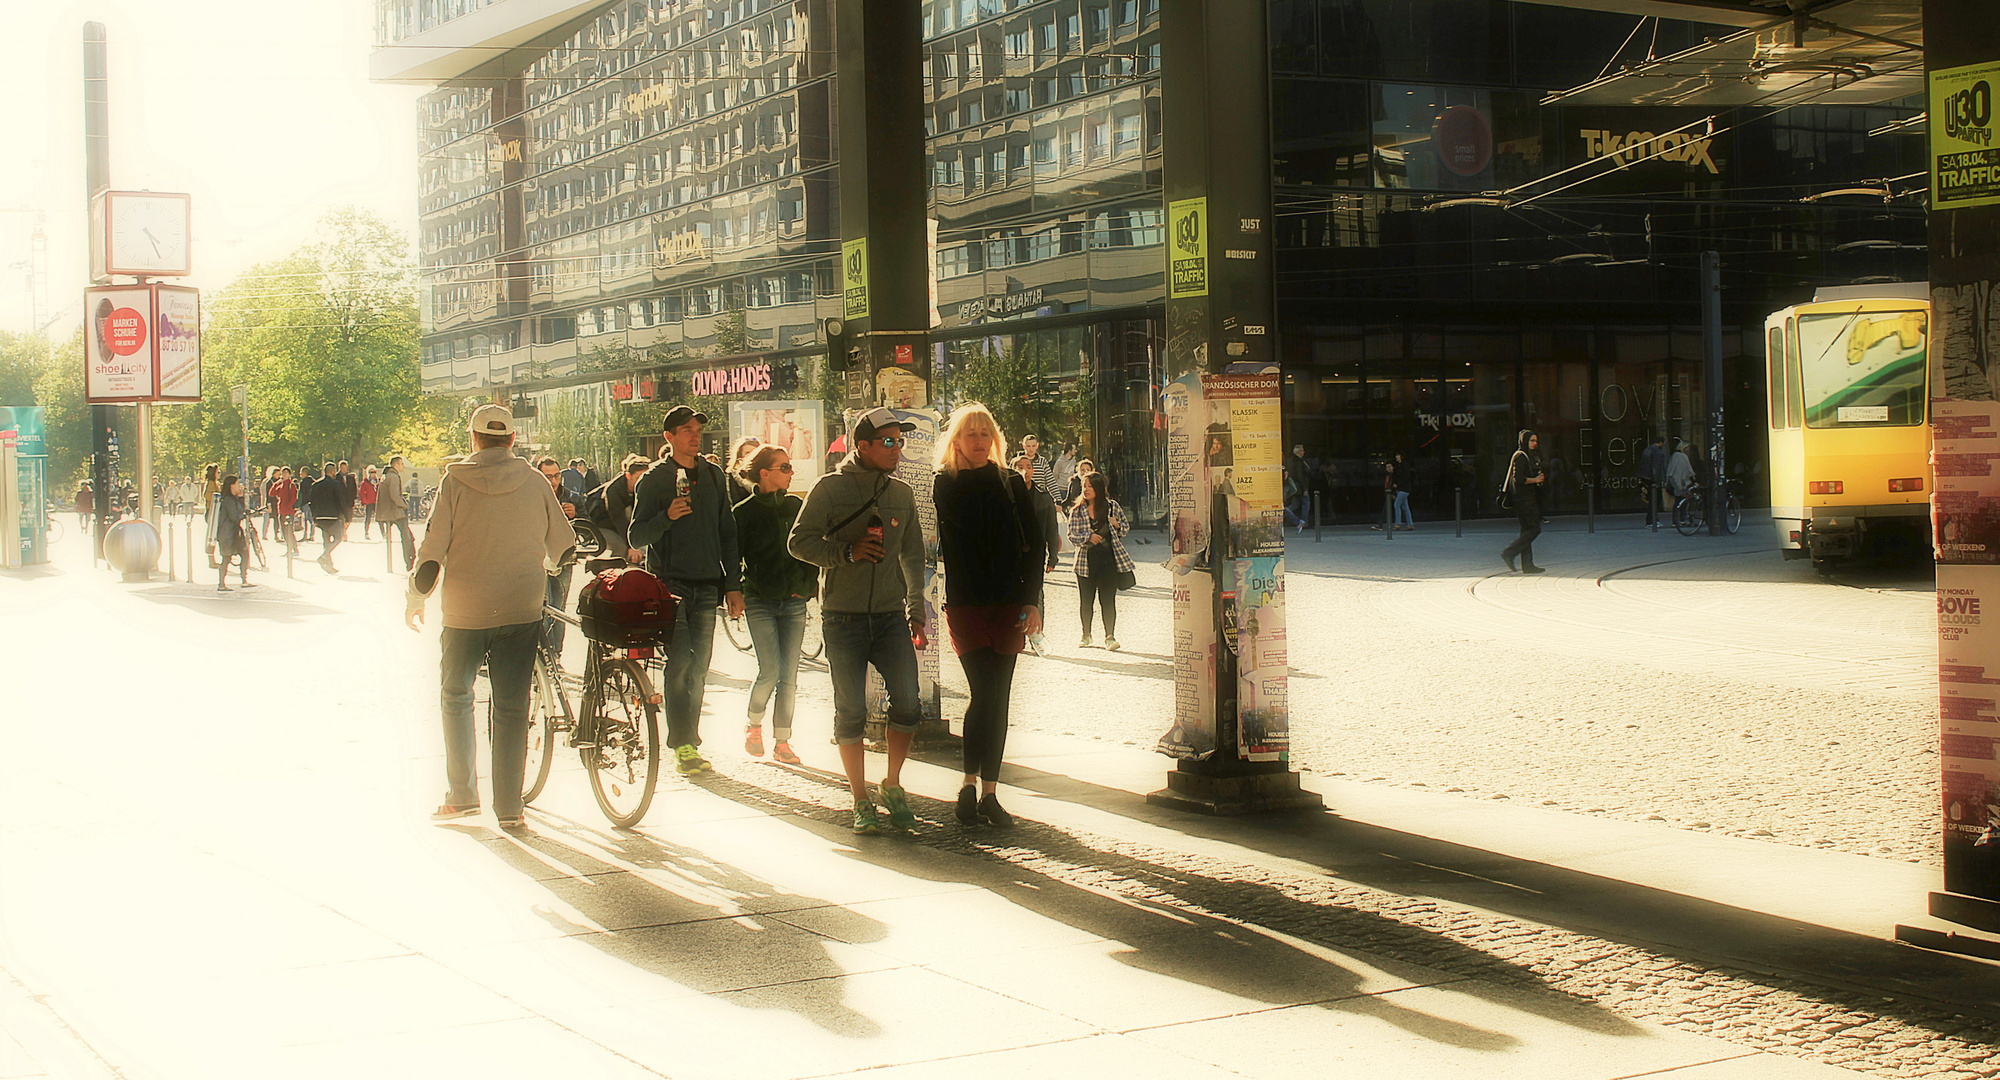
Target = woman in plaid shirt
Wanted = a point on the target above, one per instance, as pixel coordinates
(1097, 528)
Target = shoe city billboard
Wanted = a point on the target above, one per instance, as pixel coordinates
(143, 343)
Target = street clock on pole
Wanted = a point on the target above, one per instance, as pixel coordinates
(139, 234)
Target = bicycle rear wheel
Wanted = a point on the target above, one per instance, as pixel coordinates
(625, 764)
(739, 637)
(813, 643)
(1732, 516)
(1688, 516)
(547, 715)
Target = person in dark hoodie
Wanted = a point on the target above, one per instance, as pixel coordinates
(681, 515)
(1523, 487)
(991, 546)
(329, 508)
(776, 587)
(231, 521)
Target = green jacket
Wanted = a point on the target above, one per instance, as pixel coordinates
(763, 524)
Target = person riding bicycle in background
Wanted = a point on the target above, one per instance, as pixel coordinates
(495, 535)
(776, 586)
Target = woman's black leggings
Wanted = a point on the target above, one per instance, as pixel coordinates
(1105, 590)
(989, 676)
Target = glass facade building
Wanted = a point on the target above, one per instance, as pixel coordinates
(649, 191)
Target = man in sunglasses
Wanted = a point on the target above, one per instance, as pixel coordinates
(859, 525)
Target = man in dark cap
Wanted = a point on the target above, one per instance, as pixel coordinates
(680, 515)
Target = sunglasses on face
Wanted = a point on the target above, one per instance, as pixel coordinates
(786, 467)
(892, 441)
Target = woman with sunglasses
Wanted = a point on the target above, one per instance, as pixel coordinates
(776, 587)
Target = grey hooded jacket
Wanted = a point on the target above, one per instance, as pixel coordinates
(862, 588)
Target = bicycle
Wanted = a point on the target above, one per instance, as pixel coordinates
(1691, 511)
(811, 645)
(615, 730)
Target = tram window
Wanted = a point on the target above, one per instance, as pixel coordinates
(1863, 368)
(1793, 411)
(1774, 359)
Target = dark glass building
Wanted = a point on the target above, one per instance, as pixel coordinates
(646, 190)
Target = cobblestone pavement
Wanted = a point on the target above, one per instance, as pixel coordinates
(1702, 683)
(1855, 1029)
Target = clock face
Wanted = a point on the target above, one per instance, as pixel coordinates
(148, 234)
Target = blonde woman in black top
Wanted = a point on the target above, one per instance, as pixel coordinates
(991, 545)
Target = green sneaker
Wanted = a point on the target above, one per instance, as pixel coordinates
(864, 819)
(898, 802)
(689, 761)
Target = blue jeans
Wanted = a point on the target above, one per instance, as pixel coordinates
(1402, 516)
(687, 660)
(556, 595)
(409, 542)
(852, 643)
(778, 631)
(509, 655)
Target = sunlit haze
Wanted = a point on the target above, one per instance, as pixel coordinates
(262, 112)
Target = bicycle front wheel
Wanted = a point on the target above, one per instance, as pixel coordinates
(738, 636)
(624, 765)
(546, 711)
(1732, 516)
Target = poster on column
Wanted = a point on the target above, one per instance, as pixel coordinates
(919, 470)
(1189, 448)
(1246, 424)
(1965, 511)
(1263, 728)
(118, 344)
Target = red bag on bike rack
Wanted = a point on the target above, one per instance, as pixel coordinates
(627, 607)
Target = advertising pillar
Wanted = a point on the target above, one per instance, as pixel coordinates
(1962, 69)
(1224, 420)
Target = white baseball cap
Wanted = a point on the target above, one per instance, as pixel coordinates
(492, 420)
(871, 424)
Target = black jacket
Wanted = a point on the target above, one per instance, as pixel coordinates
(763, 531)
(328, 498)
(991, 545)
(1525, 463)
(1045, 512)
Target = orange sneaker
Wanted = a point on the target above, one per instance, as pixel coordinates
(753, 741)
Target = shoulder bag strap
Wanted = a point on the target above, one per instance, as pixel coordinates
(872, 499)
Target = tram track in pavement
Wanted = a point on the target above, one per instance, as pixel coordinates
(1729, 644)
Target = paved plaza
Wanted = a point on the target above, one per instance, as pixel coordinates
(1652, 814)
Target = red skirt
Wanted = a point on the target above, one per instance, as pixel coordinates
(1000, 627)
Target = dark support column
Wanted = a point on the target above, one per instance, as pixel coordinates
(1711, 377)
(884, 194)
(1215, 87)
(97, 178)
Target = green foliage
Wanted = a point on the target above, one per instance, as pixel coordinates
(23, 358)
(326, 340)
(600, 436)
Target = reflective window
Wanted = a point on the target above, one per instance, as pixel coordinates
(1864, 369)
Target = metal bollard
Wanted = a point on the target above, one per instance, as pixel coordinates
(169, 530)
(1458, 511)
(1590, 505)
(1315, 509)
(388, 555)
(1389, 515)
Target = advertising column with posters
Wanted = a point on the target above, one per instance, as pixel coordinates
(1224, 454)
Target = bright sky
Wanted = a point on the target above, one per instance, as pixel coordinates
(262, 111)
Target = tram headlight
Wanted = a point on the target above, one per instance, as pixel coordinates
(1826, 487)
(1908, 483)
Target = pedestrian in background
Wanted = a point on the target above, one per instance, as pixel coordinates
(1298, 487)
(617, 517)
(1523, 484)
(1653, 474)
(1399, 484)
(991, 548)
(86, 504)
(859, 524)
(1680, 471)
(284, 501)
(1046, 514)
(232, 523)
(1097, 527)
(681, 515)
(328, 505)
(739, 460)
(492, 539)
(553, 629)
(305, 481)
(351, 498)
(573, 481)
(776, 586)
(392, 507)
(368, 496)
(1045, 470)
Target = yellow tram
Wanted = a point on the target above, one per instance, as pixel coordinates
(1849, 410)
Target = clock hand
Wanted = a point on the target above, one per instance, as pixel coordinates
(151, 239)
